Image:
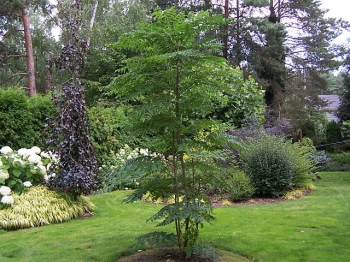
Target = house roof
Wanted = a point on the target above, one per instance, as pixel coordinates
(333, 102)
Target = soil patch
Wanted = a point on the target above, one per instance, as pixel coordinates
(170, 255)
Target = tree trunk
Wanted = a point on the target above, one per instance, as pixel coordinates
(225, 38)
(92, 20)
(238, 36)
(29, 52)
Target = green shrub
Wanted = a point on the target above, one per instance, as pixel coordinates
(274, 165)
(341, 158)
(333, 132)
(39, 206)
(22, 119)
(302, 156)
(242, 187)
(338, 162)
(108, 133)
(333, 135)
(104, 126)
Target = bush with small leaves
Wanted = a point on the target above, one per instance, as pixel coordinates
(105, 131)
(22, 119)
(38, 206)
(274, 165)
(240, 186)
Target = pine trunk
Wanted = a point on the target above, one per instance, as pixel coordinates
(29, 52)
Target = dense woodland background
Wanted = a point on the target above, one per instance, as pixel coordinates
(286, 46)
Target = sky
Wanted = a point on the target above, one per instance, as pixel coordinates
(338, 9)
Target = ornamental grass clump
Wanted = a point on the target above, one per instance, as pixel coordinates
(38, 206)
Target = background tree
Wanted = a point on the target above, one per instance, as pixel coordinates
(10, 27)
(259, 29)
(344, 108)
(113, 18)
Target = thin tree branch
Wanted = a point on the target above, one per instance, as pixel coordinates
(12, 56)
(18, 74)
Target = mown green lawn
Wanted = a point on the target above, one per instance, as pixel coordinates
(314, 228)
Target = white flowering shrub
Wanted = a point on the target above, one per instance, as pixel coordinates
(110, 178)
(125, 154)
(23, 168)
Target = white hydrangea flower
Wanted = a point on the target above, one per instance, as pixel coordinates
(23, 152)
(27, 184)
(129, 157)
(36, 150)
(8, 200)
(54, 157)
(4, 174)
(5, 190)
(47, 177)
(45, 155)
(6, 150)
(122, 152)
(42, 169)
(34, 159)
(144, 152)
(22, 163)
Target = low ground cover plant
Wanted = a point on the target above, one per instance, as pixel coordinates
(337, 162)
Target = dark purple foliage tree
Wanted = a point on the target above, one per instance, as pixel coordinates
(76, 170)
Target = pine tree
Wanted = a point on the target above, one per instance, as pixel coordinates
(344, 108)
(10, 25)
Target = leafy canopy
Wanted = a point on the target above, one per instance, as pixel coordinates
(175, 82)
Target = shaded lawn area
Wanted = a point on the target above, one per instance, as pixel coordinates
(313, 228)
